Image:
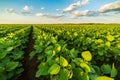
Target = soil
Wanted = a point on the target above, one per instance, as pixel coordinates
(30, 66)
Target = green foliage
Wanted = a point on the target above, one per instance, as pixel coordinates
(11, 65)
(12, 41)
(106, 68)
(64, 52)
(43, 70)
(81, 52)
(54, 69)
(114, 71)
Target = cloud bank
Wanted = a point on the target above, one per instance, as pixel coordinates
(75, 6)
(10, 10)
(115, 6)
(26, 8)
(76, 14)
(72, 10)
(49, 15)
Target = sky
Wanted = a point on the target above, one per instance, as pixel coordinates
(59, 11)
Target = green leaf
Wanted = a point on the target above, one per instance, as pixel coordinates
(116, 51)
(64, 74)
(18, 55)
(84, 77)
(77, 73)
(93, 76)
(106, 68)
(92, 69)
(73, 53)
(57, 60)
(54, 69)
(32, 54)
(49, 57)
(42, 69)
(85, 67)
(57, 48)
(97, 69)
(2, 55)
(63, 61)
(40, 56)
(53, 40)
(10, 74)
(78, 61)
(19, 71)
(101, 53)
(114, 71)
(64, 47)
(11, 65)
(51, 62)
(3, 77)
(104, 78)
(1, 69)
(9, 49)
(87, 55)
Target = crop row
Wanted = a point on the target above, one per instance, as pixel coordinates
(85, 52)
(11, 52)
(64, 52)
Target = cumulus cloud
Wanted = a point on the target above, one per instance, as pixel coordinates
(10, 10)
(84, 2)
(26, 13)
(19, 12)
(57, 9)
(110, 7)
(26, 8)
(77, 14)
(75, 6)
(40, 14)
(42, 8)
(49, 15)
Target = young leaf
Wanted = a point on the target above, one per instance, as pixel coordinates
(85, 67)
(104, 78)
(63, 61)
(54, 69)
(87, 55)
(114, 71)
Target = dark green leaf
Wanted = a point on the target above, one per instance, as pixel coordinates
(42, 69)
(106, 68)
(11, 65)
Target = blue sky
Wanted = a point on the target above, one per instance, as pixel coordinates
(59, 11)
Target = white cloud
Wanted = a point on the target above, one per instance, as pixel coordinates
(26, 13)
(84, 2)
(10, 10)
(57, 9)
(40, 14)
(13, 11)
(77, 14)
(42, 8)
(75, 6)
(26, 8)
(49, 15)
(72, 7)
(80, 13)
(110, 7)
